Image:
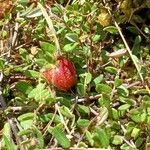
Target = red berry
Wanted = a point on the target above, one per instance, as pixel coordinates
(63, 75)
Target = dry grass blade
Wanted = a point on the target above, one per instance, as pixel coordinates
(129, 50)
(15, 32)
(51, 27)
(62, 118)
(130, 53)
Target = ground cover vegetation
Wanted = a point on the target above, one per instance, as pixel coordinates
(75, 74)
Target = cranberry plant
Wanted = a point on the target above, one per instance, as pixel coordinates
(104, 104)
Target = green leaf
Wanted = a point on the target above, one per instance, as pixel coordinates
(26, 120)
(39, 93)
(115, 114)
(2, 62)
(24, 87)
(136, 47)
(8, 144)
(66, 112)
(104, 100)
(102, 137)
(32, 73)
(4, 34)
(124, 107)
(82, 145)
(24, 54)
(39, 136)
(132, 29)
(139, 142)
(26, 124)
(85, 78)
(60, 136)
(36, 12)
(41, 62)
(146, 101)
(83, 123)
(141, 91)
(47, 117)
(24, 13)
(136, 60)
(126, 147)
(102, 116)
(36, 91)
(103, 88)
(6, 130)
(123, 91)
(89, 137)
(111, 29)
(146, 30)
(130, 127)
(83, 109)
(96, 38)
(26, 116)
(98, 79)
(25, 132)
(65, 100)
(88, 78)
(65, 17)
(138, 115)
(118, 82)
(70, 47)
(81, 89)
(135, 133)
(117, 140)
(72, 37)
(6, 138)
(111, 70)
(48, 47)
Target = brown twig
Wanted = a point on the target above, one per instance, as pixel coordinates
(90, 98)
(96, 97)
(15, 32)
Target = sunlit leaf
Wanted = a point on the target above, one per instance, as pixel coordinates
(60, 136)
